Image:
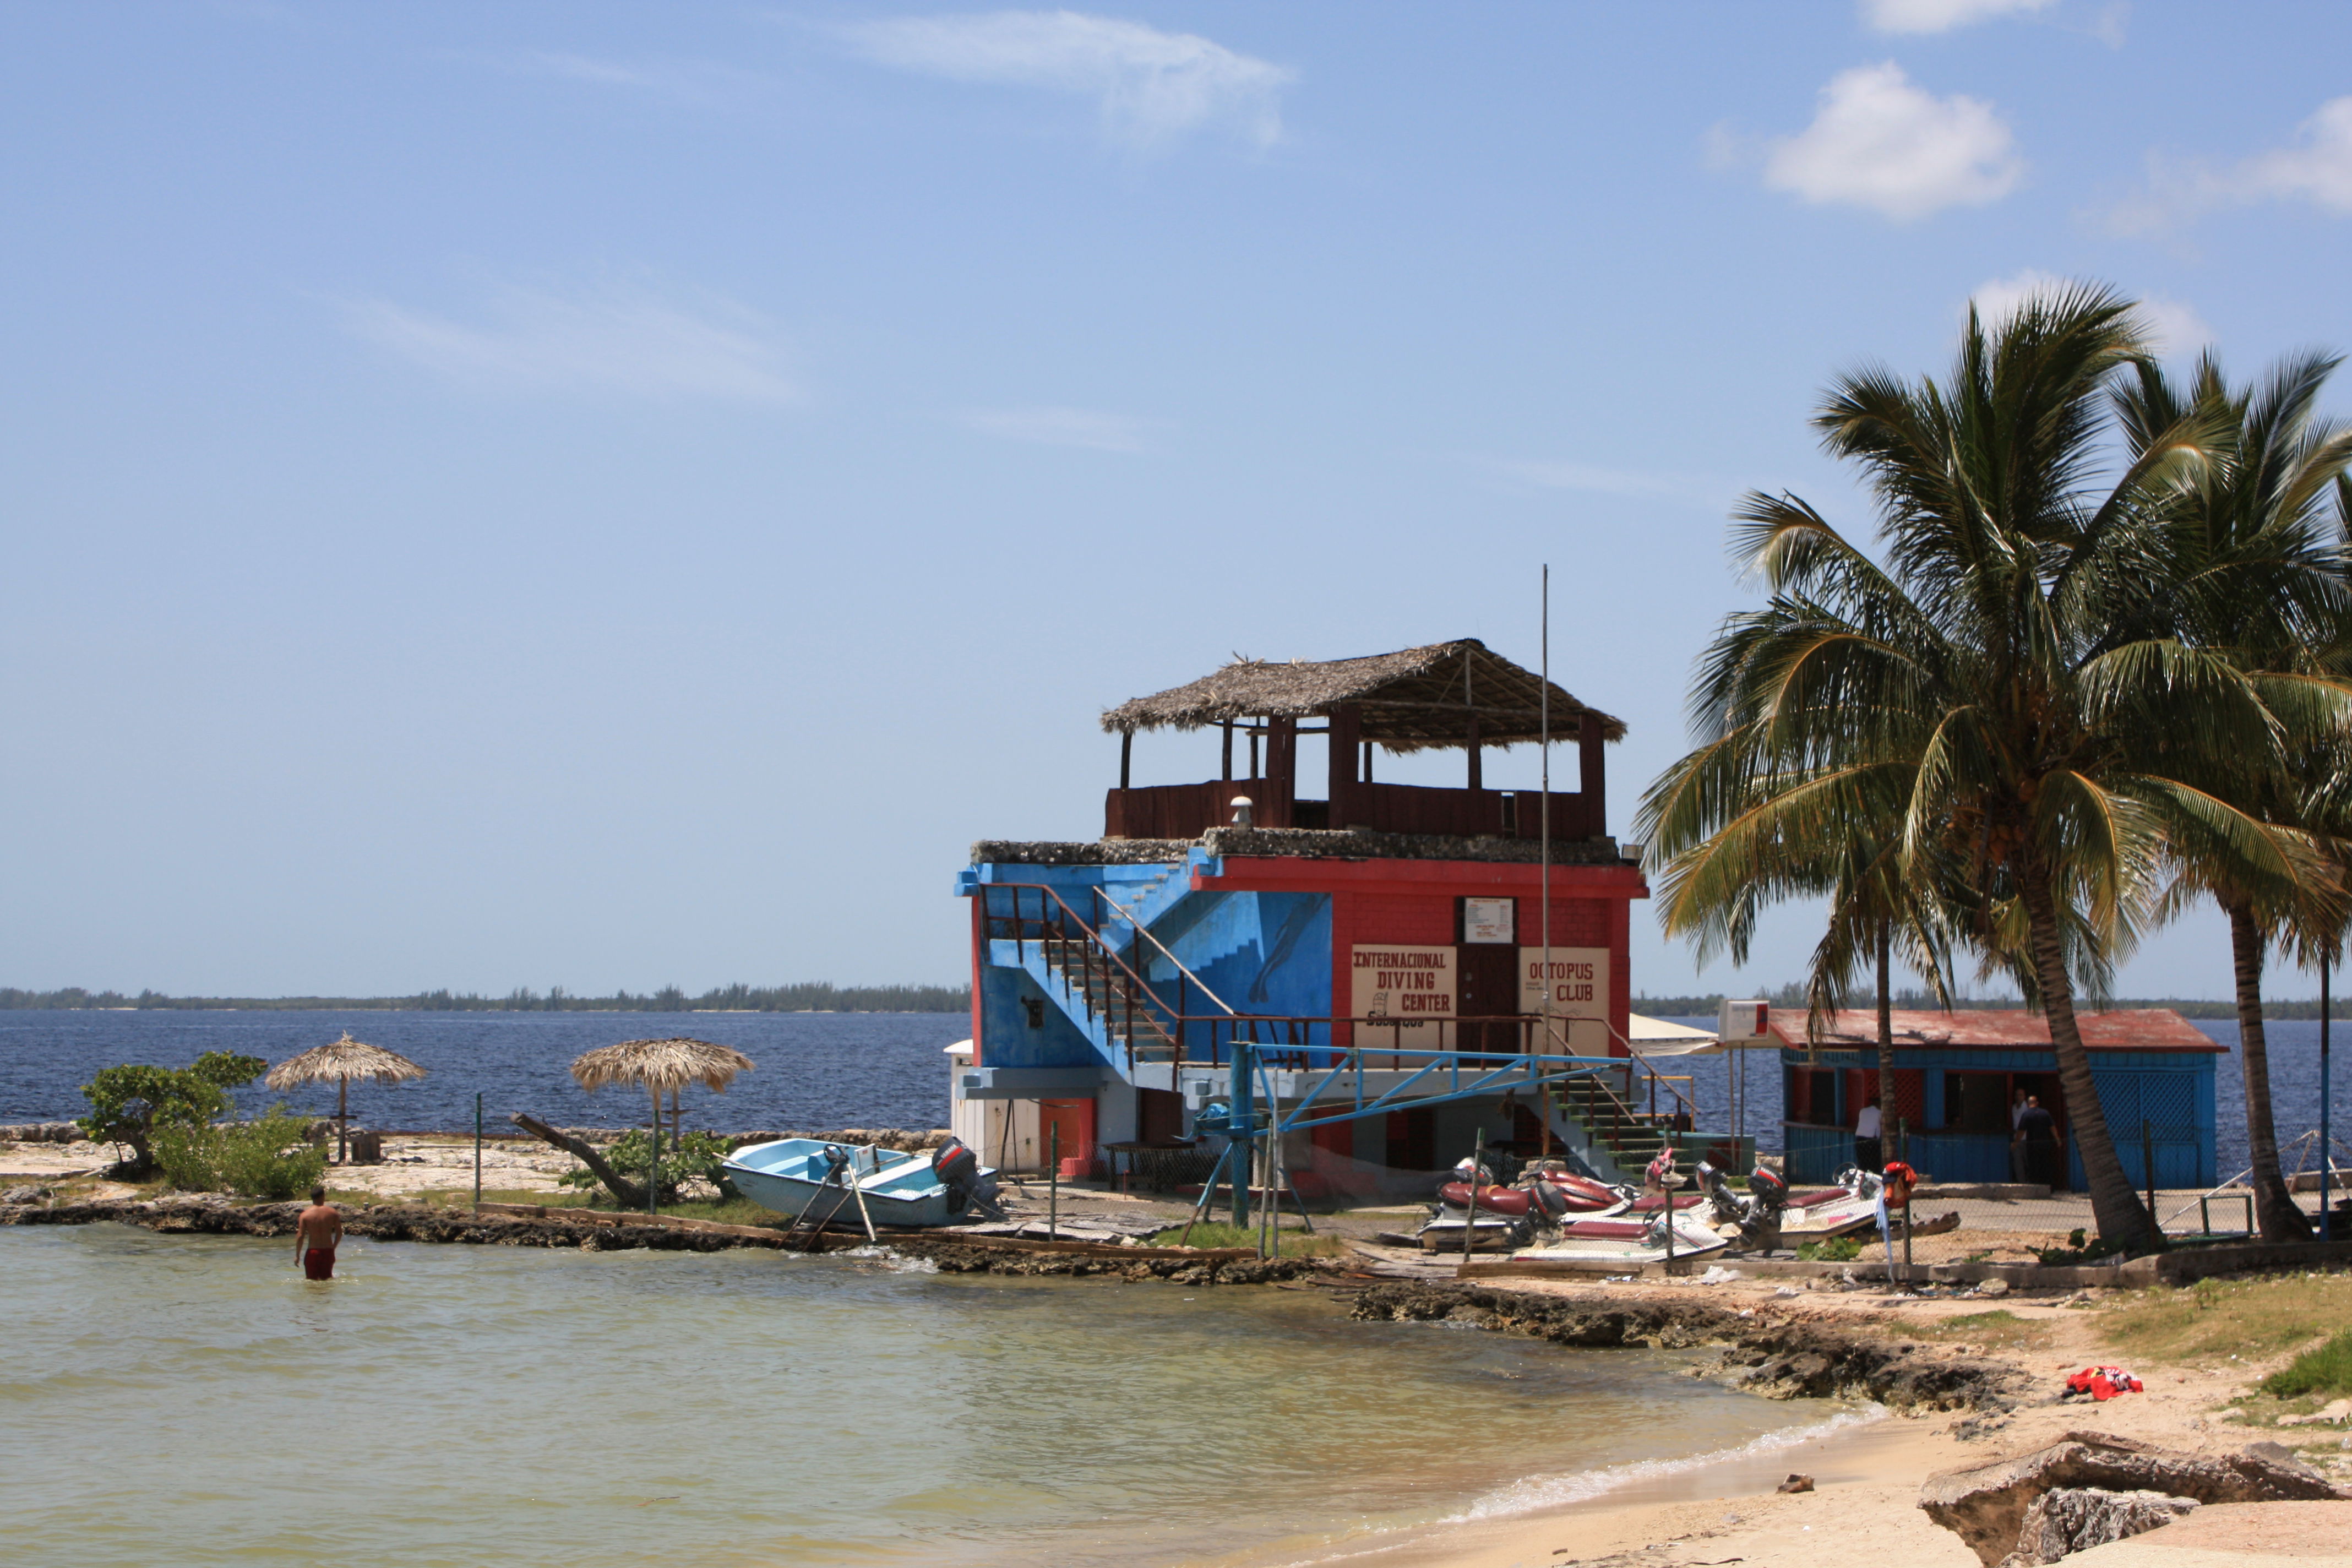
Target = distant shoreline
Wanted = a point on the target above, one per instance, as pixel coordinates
(806, 998)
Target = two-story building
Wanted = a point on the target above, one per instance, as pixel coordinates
(1393, 952)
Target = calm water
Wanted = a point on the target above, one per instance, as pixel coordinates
(2295, 1086)
(814, 1070)
(194, 1401)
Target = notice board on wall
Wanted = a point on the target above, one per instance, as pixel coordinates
(1579, 992)
(1489, 920)
(1413, 986)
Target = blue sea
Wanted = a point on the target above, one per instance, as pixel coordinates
(813, 1070)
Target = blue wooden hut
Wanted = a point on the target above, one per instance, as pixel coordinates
(1956, 1076)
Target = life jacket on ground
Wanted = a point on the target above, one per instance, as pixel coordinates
(2103, 1382)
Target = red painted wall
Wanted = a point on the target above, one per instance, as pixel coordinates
(1411, 902)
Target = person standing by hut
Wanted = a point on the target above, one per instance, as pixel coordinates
(1869, 1143)
(2037, 1135)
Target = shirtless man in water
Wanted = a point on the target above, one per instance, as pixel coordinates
(315, 1235)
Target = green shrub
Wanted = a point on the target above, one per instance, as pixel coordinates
(263, 1157)
(1836, 1249)
(694, 1155)
(130, 1105)
(2322, 1369)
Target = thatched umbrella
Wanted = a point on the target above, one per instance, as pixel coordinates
(337, 1062)
(661, 1066)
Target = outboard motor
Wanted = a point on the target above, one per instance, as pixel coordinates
(1550, 1203)
(1766, 1201)
(1757, 1212)
(958, 1168)
(1723, 1205)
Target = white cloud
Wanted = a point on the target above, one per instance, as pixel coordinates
(1150, 87)
(602, 341)
(2173, 326)
(2317, 167)
(1941, 15)
(1998, 299)
(1883, 143)
(1056, 426)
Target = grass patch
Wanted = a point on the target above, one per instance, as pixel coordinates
(1295, 1242)
(2216, 1319)
(1997, 1330)
(1835, 1249)
(2325, 1369)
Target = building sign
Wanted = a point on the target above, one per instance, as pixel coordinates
(1579, 992)
(1412, 985)
(1488, 919)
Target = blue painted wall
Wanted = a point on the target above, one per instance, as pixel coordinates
(2170, 1091)
(1259, 952)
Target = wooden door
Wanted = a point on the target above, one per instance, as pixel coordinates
(1159, 1116)
(1413, 1140)
(1485, 986)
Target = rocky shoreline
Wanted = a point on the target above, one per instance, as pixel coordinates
(1781, 1358)
(206, 1215)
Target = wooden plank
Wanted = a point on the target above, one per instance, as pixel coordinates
(1547, 1269)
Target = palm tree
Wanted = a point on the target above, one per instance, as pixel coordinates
(2040, 760)
(1849, 854)
(2253, 567)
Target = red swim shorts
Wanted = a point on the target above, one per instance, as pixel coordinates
(319, 1263)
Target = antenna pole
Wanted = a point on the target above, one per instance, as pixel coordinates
(1544, 747)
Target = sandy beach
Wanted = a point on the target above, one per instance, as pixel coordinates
(1863, 1511)
(410, 1166)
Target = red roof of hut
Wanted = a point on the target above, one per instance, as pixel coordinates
(2124, 1029)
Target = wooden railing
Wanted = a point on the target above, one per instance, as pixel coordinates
(1187, 811)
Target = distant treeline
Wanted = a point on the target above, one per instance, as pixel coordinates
(811, 997)
(1792, 998)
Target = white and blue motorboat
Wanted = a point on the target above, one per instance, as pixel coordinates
(811, 1178)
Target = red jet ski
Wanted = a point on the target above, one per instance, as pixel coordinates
(1509, 1202)
(1584, 1194)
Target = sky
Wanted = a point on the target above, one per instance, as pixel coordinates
(624, 495)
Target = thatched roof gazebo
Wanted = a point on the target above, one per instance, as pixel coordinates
(1459, 695)
(337, 1062)
(661, 1066)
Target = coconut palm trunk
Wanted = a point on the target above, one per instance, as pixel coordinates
(2116, 1209)
(2274, 1207)
(1886, 1048)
